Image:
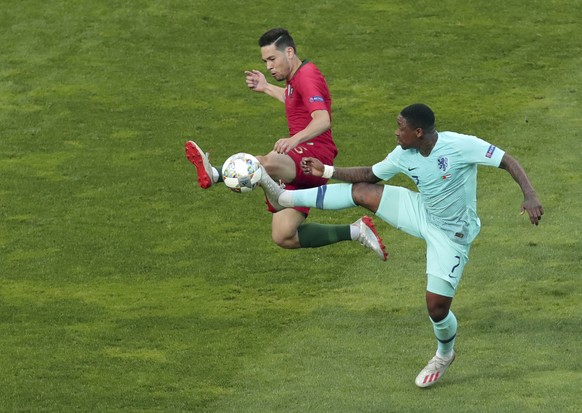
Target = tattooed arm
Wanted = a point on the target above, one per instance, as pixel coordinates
(315, 167)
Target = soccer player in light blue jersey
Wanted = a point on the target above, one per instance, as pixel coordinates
(443, 212)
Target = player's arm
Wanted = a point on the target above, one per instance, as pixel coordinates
(531, 204)
(315, 167)
(320, 122)
(355, 174)
(257, 82)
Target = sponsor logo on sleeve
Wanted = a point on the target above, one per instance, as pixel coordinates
(490, 151)
(314, 99)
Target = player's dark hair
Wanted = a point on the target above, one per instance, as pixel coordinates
(418, 115)
(279, 37)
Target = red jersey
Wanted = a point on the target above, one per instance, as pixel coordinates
(306, 92)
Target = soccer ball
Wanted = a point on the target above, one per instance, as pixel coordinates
(241, 172)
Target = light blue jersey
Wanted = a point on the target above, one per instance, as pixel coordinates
(446, 180)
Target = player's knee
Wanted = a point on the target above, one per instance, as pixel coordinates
(438, 314)
(285, 237)
(357, 194)
(438, 311)
(285, 241)
(367, 195)
(265, 161)
(277, 166)
(438, 306)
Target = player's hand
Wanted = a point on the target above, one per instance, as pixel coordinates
(534, 209)
(312, 166)
(256, 80)
(284, 145)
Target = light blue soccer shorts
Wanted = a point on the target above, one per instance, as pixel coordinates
(445, 259)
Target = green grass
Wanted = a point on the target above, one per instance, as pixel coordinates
(124, 287)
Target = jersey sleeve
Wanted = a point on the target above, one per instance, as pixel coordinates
(387, 168)
(313, 90)
(478, 151)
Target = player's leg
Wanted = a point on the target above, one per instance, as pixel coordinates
(284, 225)
(314, 235)
(445, 330)
(445, 264)
(334, 196)
(291, 232)
(404, 210)
(444, 324)
(288, 228)
(337, 196)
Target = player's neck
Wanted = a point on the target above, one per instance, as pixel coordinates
(428, 144)
(296, 64)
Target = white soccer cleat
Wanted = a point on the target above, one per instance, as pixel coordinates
(272, 189)
(434, 371)
(369, 237)
(200, 160)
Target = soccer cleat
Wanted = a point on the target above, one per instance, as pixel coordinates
(434, 371)
(369, 237)
(272, 189)
(200, 161)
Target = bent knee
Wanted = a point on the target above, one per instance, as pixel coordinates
(278, 166)
(287, 242)
(438, 306)
(438, 314)
(367, 195)
(265, 160)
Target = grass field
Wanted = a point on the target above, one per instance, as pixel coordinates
(125, 287)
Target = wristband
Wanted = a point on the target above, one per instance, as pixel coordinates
(327, 171)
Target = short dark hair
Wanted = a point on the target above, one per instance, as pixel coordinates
(419, 115)
(279, 37)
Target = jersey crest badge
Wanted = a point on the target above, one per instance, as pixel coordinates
(443, 163)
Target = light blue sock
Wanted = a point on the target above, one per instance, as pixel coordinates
(445, 332)
(336, 196)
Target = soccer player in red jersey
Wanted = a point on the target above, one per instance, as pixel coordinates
(308, 110)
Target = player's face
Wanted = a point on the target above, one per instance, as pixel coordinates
(406, 135)
(278, 63)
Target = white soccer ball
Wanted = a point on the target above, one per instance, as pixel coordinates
(241, 172)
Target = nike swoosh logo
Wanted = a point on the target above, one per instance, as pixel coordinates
(412, 169)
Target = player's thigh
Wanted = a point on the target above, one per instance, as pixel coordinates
(403, 209)
(445, 262)
(284, 226)
(307, 149)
